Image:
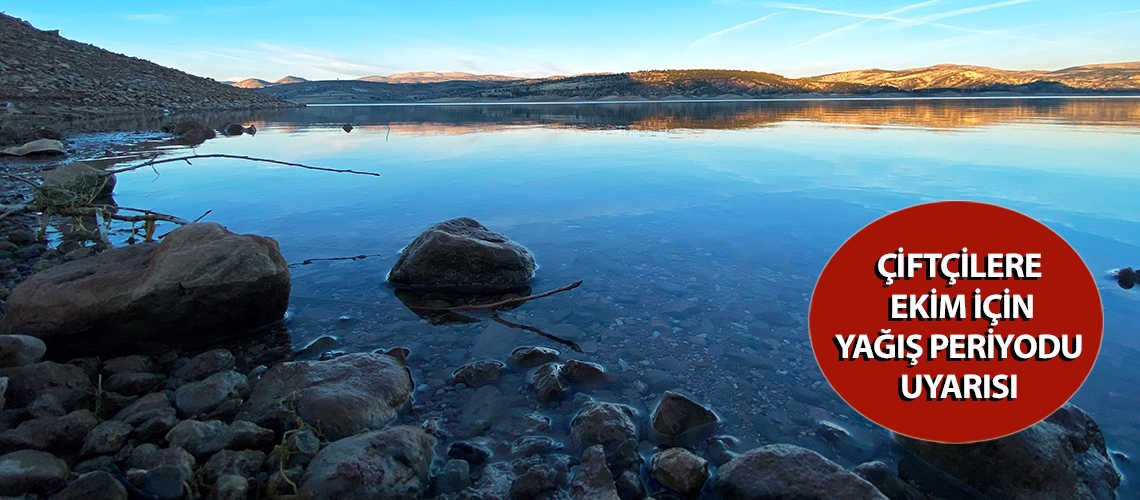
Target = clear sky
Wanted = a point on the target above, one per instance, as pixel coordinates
(330, 39)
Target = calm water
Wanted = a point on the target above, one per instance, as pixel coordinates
(733, 206)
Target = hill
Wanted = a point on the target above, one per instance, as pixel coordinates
(434, 77)
(290, 79)
(252, 83)
(722, 84)
(45, 77)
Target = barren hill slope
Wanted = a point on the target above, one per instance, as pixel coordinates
(43, 74)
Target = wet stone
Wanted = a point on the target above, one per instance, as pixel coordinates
(676, 414)
(607, 424)
(681, 470)
(479, 373)
(196, 398)
(583, 371)
(529, 357)
(537, 481)
(469, 451)
(530, 445)
(548, 382)
(593, 480)
(629, 486)
(244, 463)
(455, 476)
(230, 487)
(20, 350)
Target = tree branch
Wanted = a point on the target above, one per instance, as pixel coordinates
(495, 317)
(187, 159)
(501, 303)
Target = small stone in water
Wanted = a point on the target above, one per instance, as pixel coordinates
(528, 357)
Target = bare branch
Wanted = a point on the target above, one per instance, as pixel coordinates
(20, 178)
(355, 257)
(501, 303)
(151, 163)
(495, 317)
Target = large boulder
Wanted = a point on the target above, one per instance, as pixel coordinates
(1062, 456)
(393, 463)
(30, 471)
(462, 253)
(344, 396)
(201, 279)
(785, 471)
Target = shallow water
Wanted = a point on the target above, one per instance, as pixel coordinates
(733, 206)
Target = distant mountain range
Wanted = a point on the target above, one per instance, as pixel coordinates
(943, 79)
(257, 83)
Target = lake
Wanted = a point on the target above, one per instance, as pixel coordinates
(732, 206)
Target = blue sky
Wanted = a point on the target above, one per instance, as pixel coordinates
(346, 39)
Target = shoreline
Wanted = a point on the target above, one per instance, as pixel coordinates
(715, 100)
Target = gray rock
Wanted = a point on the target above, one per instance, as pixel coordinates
(455, 476)
(479, 373)
(106, 438)
(61, 434)
(147, 407)
(469, 451)
(148, 456)
(1063, 456)
(583, 371)
(393, 463)
(47, 405)
(531, 445)
(676, 414)
(133, 383)
(607, 424)
(593, 480)
(156, 428)
(886, 481)
(97, 485)
(68, 383)
(203, 439)
(20, 350)
(123, 364)
(345, 395)
(78, 179)
(30, 471)
(196, 398)
(528, 357)
(629, 486)
(163, 483)
(536, 482)
(784, 471)
(462, 252)
(548, 382)
(201, 278)
(230, 487)
(300, 448)
(681, 470)
(205, 364)
(279, 484)
(244, 463)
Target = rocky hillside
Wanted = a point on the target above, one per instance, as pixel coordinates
(45, 77)
(689, 84)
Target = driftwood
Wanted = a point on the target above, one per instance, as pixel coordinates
(501, 303)
(319, 259)
(187, 159)
(495, 317)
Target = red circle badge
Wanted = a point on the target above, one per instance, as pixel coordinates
(956, 321)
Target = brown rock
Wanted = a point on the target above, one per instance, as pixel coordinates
(201, 278)
(680, 470)
(462, 253)
(784, 471)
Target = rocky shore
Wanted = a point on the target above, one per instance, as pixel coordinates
(183, 401)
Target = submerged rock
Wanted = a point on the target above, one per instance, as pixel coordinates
(529, 357)
(593, 480)
(463, 253)
(201, 278)
(583, 371)
(607, 424)
(1063, 456)
(344, 395)
(547, 381)
(393, 463)
(677, 414)
(191, 132)
(784, 471)
(479, 373)
(681, 470)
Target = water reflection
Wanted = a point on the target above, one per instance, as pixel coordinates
(698, 251)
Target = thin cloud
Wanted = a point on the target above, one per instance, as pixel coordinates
(968, 10)
(323, 62)
(885, 15)
(733, 28)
